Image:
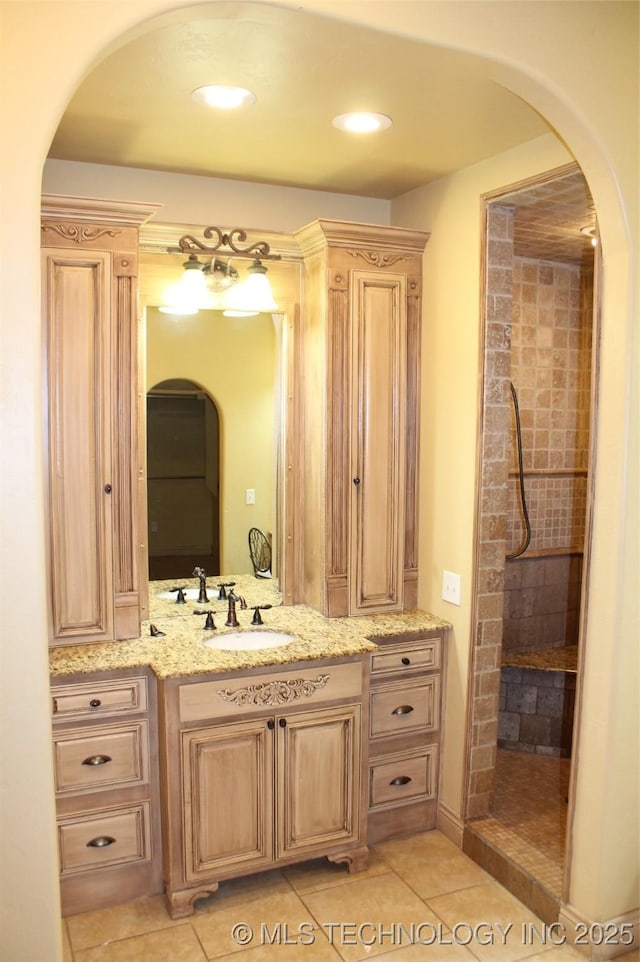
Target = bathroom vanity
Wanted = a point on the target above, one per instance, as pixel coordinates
(184, 757)
(179, 765)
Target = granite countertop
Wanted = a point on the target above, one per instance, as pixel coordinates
(546, 659)
(180, 650)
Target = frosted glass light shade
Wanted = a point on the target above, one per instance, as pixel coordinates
(252, 296)
(190, 293)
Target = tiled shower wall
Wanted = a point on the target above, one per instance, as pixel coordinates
(551, 371)
(545, 309)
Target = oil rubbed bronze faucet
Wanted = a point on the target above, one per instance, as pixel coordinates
(201, 575)
(232, 618)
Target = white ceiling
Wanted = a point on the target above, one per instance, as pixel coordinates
(135, 108)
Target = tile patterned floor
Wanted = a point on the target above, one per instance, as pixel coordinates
(420, 899)
(529, 817)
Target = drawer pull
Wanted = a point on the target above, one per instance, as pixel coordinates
(95, 703)
(97, 760)
(101, 841)
(400, 780)
(406, 661)
(402, 710)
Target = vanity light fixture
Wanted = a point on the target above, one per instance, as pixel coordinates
(223, 96)
(217, 284)
(591, 232)
(362, 122)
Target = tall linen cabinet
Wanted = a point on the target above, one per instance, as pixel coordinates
(89, 277)
(360, 384)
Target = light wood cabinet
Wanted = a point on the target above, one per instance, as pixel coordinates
(89, 268)
(361, 357)
(404, 736)
(243, 794)
(107, 788)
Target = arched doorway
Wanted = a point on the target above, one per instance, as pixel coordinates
(183, 480)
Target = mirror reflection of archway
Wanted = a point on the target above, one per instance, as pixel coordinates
(183, 480)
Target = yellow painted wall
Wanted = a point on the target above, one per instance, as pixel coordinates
(574, 62)
(449, 403)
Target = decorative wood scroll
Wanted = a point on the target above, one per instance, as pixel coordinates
(378, 258)
(78, 233)
(274, 692)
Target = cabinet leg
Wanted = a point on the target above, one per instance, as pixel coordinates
(180, 904)
(356, 859)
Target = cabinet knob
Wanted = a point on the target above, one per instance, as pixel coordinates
(271, 724)
(97, 760)
(356, 481)
(282, 722)
(400, 780)
(95, 703)
(107, 489)
(406, 661)
(101, 841)
(402, 710)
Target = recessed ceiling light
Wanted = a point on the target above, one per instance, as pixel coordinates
(222, 96)
(361, 123)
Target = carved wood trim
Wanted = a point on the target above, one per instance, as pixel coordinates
(380, 258)
(79, 234)
(274, 693)
(338, 393)
(412, 434)
(124, 437)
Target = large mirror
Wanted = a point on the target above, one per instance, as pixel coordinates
(217, 440)
(211, 440)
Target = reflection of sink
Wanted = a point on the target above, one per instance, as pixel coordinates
(248, 640)
(191, 594)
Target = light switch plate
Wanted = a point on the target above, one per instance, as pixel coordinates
(451, 587)
(251, 495)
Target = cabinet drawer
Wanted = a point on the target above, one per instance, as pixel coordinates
(101, 757)
(403, 778)
(402, 707)
(100, 698)
(407, 658)
(103, 839)
(300, 687)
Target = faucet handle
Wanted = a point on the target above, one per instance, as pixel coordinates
(257, 617)
(180, 599)
(222, 594)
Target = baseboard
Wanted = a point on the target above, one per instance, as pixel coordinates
(450, 824)
(599, 941)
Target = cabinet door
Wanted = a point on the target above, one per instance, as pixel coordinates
(379, 318)
(77, 309)
(318, 790)
(228, 798)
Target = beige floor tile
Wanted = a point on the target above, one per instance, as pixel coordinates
(364, 918)
(229, 928)
(118, 922)
(321, 873)
(431, 864)
(489, 920)
(67, 955)
(441, 951)
(560, 953)
(238, 891)
(179, 944)
(318, 950)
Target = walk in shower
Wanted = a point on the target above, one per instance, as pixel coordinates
(532, 511)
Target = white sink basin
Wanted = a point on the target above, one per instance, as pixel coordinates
(248, 640)
(191, 594)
